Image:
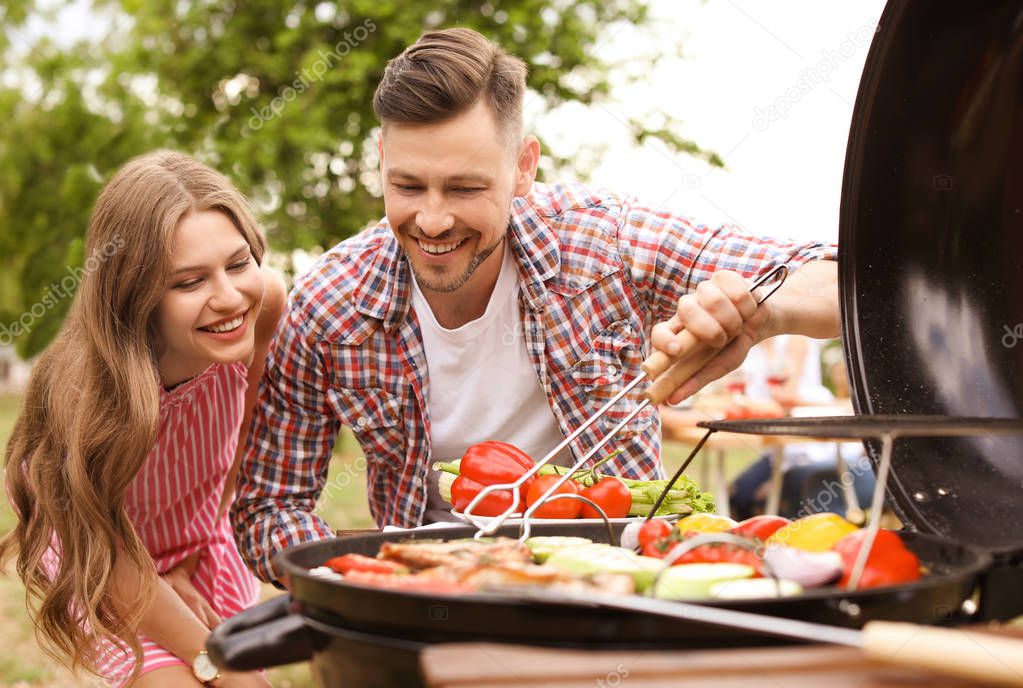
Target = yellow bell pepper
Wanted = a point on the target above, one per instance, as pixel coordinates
(816, 533)
(705, 523)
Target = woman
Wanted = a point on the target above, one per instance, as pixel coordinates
(118, 466)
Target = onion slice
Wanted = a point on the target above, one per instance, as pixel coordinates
(809, 569)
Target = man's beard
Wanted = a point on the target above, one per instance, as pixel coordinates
(427, 282)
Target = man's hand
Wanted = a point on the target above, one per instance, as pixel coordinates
(180, 580)
(721, 314)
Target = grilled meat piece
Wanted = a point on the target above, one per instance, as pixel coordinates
(458, 553)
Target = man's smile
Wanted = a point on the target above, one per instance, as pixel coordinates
(438, 248)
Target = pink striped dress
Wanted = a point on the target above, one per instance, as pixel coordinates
(173, 501)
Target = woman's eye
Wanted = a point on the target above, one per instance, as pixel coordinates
(189, 284)
(240, 265)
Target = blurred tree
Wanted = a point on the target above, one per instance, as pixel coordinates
(275, 93)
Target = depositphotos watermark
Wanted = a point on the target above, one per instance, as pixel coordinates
(1012, 335)
(58, 291)
(310, 75)
(812, 77)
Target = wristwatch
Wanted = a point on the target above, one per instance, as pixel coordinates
(204, 668)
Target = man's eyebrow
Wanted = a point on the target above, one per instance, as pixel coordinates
(190, 268)
(471, 177)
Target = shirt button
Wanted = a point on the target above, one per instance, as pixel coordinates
(361, 422)
(612, 371)
(417, 481)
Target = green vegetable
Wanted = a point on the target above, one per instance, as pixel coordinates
(754, 588)
(599, 558)
(694, 581)
(543, 546)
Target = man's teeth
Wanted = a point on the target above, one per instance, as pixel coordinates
(437, 249)
(226, 327)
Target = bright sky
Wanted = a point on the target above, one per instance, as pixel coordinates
(784, 173)
(739, 58)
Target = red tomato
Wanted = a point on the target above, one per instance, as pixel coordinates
(760, 527)
(653, 530)
(611, 495)
(562, 508)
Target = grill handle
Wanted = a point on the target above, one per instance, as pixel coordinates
(266, 635)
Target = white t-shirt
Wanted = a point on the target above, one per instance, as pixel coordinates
(482, 385)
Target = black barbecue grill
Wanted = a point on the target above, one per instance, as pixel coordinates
(931, 277)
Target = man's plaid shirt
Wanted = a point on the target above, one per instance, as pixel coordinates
(596, 272)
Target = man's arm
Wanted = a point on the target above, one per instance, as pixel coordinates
(288, 451)
(697, 279)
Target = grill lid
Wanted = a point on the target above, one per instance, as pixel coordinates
(931, 257)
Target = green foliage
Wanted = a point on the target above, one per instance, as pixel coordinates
(275, 93)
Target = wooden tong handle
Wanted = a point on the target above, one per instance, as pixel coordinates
(968, 654)
(668, 373)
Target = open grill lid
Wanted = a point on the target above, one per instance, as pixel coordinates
(931, 257)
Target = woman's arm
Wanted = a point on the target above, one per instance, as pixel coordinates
(168, 620)
(275, 297)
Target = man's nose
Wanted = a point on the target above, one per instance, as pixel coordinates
(433, 218)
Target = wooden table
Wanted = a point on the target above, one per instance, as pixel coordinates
(492, 665)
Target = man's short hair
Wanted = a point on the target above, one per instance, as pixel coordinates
(445, 73)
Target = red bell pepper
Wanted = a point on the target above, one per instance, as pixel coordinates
(464, 490)
(490, 463)
(889, 563)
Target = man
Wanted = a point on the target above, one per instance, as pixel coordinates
(486, 306)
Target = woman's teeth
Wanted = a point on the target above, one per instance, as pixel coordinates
(226, 327)
(437, 249)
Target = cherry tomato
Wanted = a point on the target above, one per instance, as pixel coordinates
(562, 508)
(611, 495)
(760, 527)
(653, 530)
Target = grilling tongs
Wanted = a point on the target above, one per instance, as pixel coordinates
(666, 375)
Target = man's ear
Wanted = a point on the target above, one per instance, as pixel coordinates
(380, 148)
(529, 159)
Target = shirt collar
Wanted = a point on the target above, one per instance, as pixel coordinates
(385, 290)
(536, 250)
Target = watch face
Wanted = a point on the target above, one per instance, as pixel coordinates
(203, 668)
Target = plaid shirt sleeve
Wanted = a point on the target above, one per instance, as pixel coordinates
(288, 451)
(669, 255)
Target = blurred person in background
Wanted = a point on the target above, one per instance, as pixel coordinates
(788, 370)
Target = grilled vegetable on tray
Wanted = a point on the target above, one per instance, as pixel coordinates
(722, 570)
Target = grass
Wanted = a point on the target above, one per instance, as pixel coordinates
(342, 505)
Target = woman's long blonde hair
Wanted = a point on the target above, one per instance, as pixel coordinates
(92, 406)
